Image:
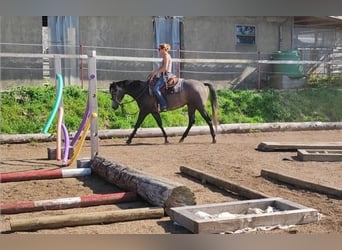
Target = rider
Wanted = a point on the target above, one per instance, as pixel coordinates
(164, 71)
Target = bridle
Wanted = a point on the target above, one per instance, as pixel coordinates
(119, 102)
(133, 99)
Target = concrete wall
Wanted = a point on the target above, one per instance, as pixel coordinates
(217, 34)
(23, 30)
(131, 36)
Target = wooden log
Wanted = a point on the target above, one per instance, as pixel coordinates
(302, 183)
(196, 130)
(157, 191)
(223, 184)
(81, 219)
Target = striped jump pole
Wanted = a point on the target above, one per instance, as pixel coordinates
(64, 203)
(44, 174)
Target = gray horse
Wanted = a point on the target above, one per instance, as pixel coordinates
(193, 93)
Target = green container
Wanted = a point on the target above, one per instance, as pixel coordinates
(291, 70)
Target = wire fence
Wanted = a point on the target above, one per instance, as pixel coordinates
(21, 64)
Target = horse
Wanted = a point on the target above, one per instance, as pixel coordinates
(193, 93)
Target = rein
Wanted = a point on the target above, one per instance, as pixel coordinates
(134, 99)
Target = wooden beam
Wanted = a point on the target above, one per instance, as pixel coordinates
(302, 183)
(81, 219)
(157, 191)
(223, 184)
(294, 146)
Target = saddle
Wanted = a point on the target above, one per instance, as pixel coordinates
(171, 82)
(173, 85)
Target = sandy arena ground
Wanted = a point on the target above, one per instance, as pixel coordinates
(234, 157)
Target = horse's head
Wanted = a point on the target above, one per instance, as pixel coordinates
(117, 92)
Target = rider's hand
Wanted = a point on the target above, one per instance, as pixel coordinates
(151, 76)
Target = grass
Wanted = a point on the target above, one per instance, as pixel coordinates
(25, 109)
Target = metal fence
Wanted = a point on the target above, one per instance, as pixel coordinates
(227, 69)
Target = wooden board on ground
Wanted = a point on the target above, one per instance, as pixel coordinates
(294, 146)
(232, 216)
(223, 184)
(302, 183)
(319, 155)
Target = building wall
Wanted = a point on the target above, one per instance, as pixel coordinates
(131, 36)
(22, 30)
(218, 34)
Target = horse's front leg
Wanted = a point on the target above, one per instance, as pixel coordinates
(141, 118)
(160, 125)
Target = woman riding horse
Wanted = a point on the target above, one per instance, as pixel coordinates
(193, 93)
(163, 73)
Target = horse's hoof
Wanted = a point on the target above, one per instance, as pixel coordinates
(128, 142)
(181, 140)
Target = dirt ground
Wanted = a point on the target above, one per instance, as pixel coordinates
(234, 157)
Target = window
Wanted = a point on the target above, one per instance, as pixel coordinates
(245, 34)
(44, 21)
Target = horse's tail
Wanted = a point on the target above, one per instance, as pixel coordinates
(213, 101)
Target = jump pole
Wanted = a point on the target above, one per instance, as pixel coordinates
(44, 174)
(64, 203)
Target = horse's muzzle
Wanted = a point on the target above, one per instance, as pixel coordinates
(115, 105)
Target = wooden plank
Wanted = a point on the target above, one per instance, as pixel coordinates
(319, 155)
(302, 183)
(294, 146)
(223, 184)
(287, 213)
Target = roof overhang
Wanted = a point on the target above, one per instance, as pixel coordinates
(316, 21)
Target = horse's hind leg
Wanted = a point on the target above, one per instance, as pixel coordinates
(160, 125)
(206, 117)
(191, 114)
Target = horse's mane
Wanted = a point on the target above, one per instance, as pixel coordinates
(135, 86)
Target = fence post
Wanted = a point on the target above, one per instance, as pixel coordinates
(92, 95)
